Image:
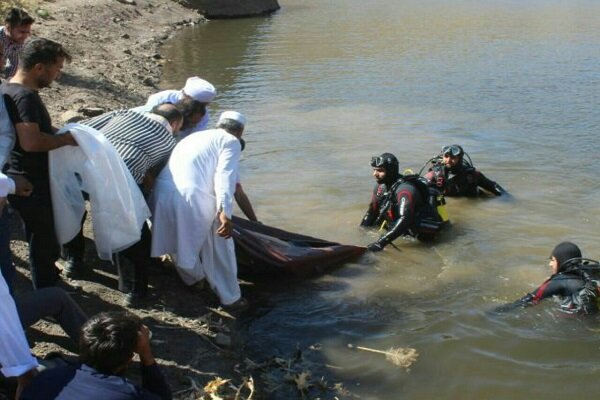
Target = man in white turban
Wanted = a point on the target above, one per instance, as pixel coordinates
(192, 207)
(195, 88)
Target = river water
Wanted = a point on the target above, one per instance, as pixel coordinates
(328, 84)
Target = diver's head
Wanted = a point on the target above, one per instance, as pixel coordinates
(452, 156)
(385, 168)
(562, 253)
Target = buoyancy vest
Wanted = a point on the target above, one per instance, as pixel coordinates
(587, 299)
(431, 218)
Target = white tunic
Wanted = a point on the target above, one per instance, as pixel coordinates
(15, 356)
(173, 96)
(198, 181)
(7, 186)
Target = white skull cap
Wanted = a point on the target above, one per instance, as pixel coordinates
(199, 89)
(233, 115)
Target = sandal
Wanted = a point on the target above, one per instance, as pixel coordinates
(236, 306)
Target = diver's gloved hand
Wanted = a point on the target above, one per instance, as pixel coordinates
(504, 308)
(375, 247)
(498, 190)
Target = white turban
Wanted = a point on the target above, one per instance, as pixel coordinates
(199, 89)
(233, 115)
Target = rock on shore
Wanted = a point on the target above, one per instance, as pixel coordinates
(233, 8)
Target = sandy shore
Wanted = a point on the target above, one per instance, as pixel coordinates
(115, 49)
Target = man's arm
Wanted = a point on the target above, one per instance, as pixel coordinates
(25, 113)
(152, 174)
(243, 202)
(226, 227)
(153, 380)
(32, 139)
(14, 184)
(406, 213)
(372, 212)
(226, 175)
(225, 182)
(488, 184)
(549, 288)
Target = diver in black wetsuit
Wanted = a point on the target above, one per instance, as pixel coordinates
(401, 203)
(572, 280)
(455, 175)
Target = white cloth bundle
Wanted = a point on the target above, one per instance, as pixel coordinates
(118, 207)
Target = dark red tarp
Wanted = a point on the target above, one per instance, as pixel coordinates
(265, 250)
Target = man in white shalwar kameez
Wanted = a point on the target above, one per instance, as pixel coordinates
(193, 203)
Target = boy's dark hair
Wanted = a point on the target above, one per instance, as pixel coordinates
(188, 107)
(17, 17)
(44, 51)
(108, 339)
(168, 111)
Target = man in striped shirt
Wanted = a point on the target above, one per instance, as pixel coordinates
(144, 141)
(16, 29)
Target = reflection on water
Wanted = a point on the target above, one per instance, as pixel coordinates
(325, 86)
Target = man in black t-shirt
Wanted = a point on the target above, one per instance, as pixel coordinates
(41, 63)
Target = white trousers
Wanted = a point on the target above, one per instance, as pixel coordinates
(218, 265)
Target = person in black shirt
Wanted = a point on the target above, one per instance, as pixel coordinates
(572, 281)
(41, 64)
(455, 175)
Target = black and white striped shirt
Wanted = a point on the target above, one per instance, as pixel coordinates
(10, 52)
(143, 140)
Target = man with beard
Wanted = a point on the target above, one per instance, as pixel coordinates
(399, 204)
(41, 63)
(456, 176)
(192, 206)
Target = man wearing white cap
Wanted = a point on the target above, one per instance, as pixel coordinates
(192, 207)
(195, 88)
